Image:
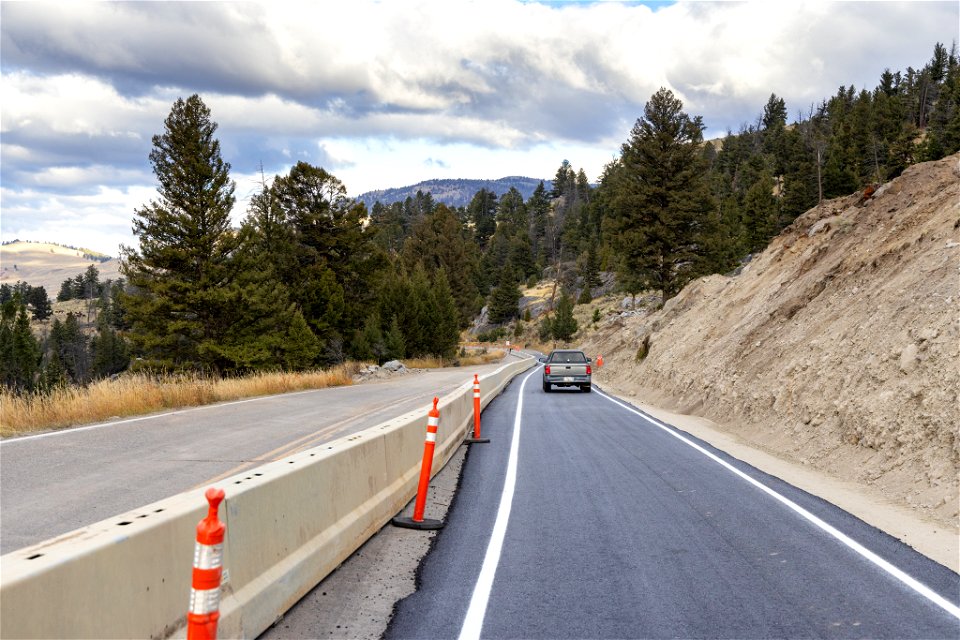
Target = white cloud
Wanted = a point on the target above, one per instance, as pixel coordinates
(371, 89)
(100, 220)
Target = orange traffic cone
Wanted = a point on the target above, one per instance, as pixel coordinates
(204, 611)
(476, 439)
(599, 361)
(417, 521)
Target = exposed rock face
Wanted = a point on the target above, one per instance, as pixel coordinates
(838, 346)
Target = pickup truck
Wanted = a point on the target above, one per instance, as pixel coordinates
(566, 368)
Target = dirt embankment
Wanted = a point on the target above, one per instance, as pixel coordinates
(837, 347)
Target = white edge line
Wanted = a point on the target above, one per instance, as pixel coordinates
(900, 575)
(473, 621)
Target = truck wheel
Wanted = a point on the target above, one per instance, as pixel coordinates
(585, 388)
(546, 387)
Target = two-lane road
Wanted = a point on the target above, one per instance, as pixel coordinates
(53, 483)
(584, 518)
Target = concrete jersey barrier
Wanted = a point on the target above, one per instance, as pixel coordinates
(289, 524)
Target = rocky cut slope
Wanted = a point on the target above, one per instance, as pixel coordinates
(837, 347)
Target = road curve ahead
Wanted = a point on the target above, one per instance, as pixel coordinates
(584, 518)
(53, 483)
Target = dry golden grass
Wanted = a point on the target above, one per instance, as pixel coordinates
(469, 360)
(482, 358)
(140, 394)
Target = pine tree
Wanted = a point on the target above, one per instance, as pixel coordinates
(326, 258)
(39, 303)
(564, 325)
(661, 201)
(394, 342)
(368, 343)
(482, 212)
(504, 297)
(438, 242)
(73, 349)
(181, 276)
(110, 353)
(66, 290)
(447, 322)
(19, 350)
(538, 208)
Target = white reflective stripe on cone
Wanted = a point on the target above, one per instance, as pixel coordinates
(431, 437)
(208, 556)
(433, 422)
(203, 601)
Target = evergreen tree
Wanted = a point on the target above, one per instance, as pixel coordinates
(73, 349)
(482, 212)
(447, 322)
(19, 350)
(504, 297)
(181, 276)
(66, 290)
(538, 208)
(394, 342)
(564, 325)
(39, 303)
(368, 343)
(328, 260)
(438, 242)
(110, 352)
(661, 202)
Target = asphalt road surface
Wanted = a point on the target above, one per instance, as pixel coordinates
(584, 519)
(57, 482)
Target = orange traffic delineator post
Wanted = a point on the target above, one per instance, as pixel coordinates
(204, 611)
(476, 439)
(418, 521)
(599, 361)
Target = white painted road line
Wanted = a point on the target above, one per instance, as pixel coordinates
(473, 622)
(903, 577)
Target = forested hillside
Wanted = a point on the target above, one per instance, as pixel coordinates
(451, 192)
(313, 277)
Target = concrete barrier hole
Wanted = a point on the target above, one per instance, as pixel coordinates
(124, 523)
(158, 510)
(35, 556)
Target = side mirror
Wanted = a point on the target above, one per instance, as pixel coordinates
(589, 359)
(542, 358)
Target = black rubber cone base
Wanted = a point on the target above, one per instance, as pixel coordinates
(424, 525)
(476, 440)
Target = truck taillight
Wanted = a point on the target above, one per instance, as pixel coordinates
(546, 369)
(589, 370)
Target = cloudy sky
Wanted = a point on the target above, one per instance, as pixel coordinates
(386, 94)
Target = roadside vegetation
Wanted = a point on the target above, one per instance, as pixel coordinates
(139, 394)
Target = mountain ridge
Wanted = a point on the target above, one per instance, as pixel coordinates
(453, 192)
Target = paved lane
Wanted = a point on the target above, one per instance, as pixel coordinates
(58, 482)
(618, 529)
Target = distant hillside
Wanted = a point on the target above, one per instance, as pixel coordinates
(453, 192)
(47, 265)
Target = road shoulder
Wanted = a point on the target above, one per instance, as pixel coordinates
(928, 537)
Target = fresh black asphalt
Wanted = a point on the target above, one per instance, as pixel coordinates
(620, 530)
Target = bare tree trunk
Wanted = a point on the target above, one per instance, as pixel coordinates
(819, 177)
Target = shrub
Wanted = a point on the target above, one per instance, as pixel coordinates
(644, 350)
